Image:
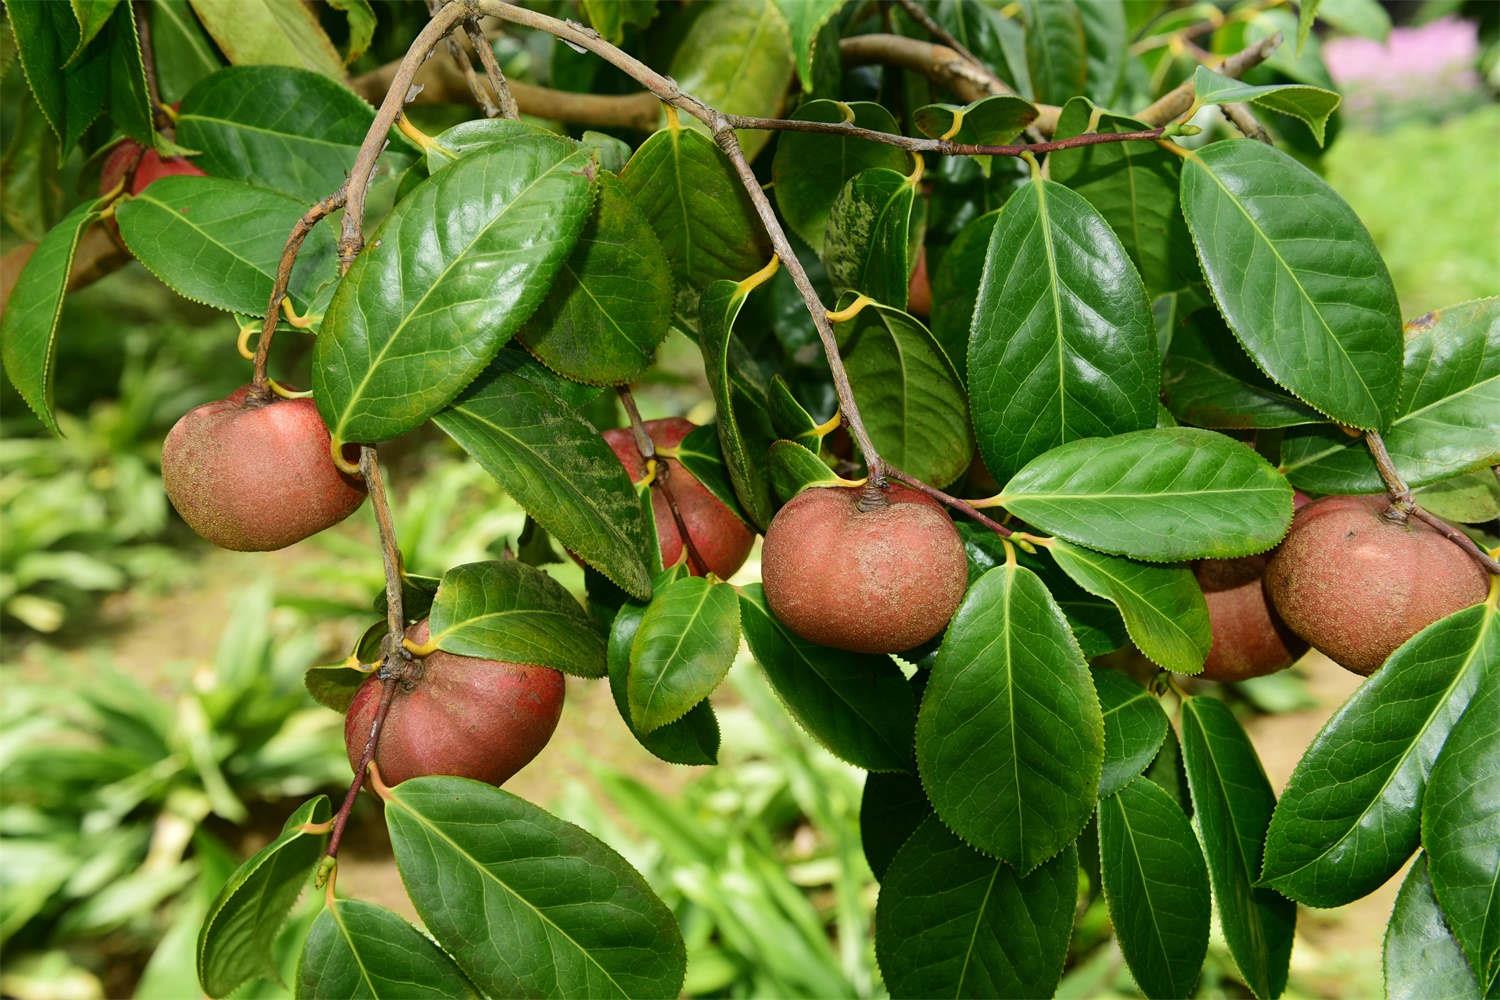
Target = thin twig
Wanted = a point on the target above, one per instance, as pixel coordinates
(1460, 539)
(1402, 503)
(662, 481)
(492, 71)
(466, 67)
(1242, 118)
(937, 31)
(962, 506)
(310, 219)
(388, 686)
(940, 147)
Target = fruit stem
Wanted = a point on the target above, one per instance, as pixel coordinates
(388, 686)
(1402, 503)
(661, 480)
(962, 506)
(1463, 541)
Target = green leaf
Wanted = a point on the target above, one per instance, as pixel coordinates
(952, 922)
(1232, 804)
(28, 332)
(291, 130)
(219, 241)
(911, 399)
(509, 611)
(1209, 381)
(737, 57)
(955, 288)
(1365, 18)
(611, 305)
(613, 153)
(184, 55)
(358, 949)
(742, 438)
(275, 32)
(1055, 49)
(1163, 607)
(1063, 345)
(46, 34)
(1134, 727)
(1310, 105)
(699, 453)
(1106, 39)
(560, 913)
(1421, 958)
(793, 468)
(1461, 829)
(334, 686)
(92, 16)
(868, 240)
(1156, 887)
(1450, 396)
(361, 17)
(809, 170)
(1298, 279)
(891, 808)
(556, 466)
(805, 19)
(692, 739)
(428, 303)
(1160, 495)
(483, 135)
(683, 648)
(129, 101)
(789, 418)
(1469, 499)
(1307, 12)
(1010, 739)
(1348, 818)
(235, 942)
(857, 705)
(990, 121)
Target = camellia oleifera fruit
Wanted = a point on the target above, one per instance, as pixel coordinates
(718, 534)
(254, 474)
(463, 716)
(1249, 638)
(877, 576)
(1356, 584)
(142, 166)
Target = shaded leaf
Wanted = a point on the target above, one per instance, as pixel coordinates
(737, 57)
(184, 55)
(793, 468)
(1209, 381)
(990, 121)
(1056, 52)
(334, 686)
(46, 36)
(743, 438)
(955, 288)
(358, 949)
(699, 453)
(692, 739)
(891, 808)
(1134, 727)
(1422, 961)
(805, 19)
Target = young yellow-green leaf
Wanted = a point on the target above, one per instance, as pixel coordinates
(810, 170)
(235, 942)
(855, 704)
(1232, 804)
(1470, 498)
(683, 648)
(1062, 344)
(793, 468)
(219, 241)
(736, 57)
(743, 436)
(509, 611)
(955, 288)
(527, 904)
(891, 808)
(911, 399)
(1365, 18)
(1010, 738)
(1134, 728)
(951, 922)
(692, 739)
(276, 32)
(1310, 105)
(871, 235)
(990, 121)
(1056, 51)
(556, 466)
(437, 292)
(1156, 887)
(28, 333)
(1349, 816)
(1298, 278)
(1421, 958)
(1209, 381)
(1161, 495)
(359, 950)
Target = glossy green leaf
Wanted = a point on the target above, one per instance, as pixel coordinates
(1062, 344)
(437, 292)
(1168, 773)
(810, 170)
(793, 468)
(1449, 418)
(559, 912)
(129, 98)
(359, 950)
(1134, 727)
(683, 648)
(788, 417)
(805, 19)
(1461, 829)
(556, 466)
(1209, 381)
(692, 739)
(484, 134)
(1298, 279)
(737, 57)
(1156, 887)
(1422, 961)
(1350, 815)
(509, 611)
(275, 32)
(742, 439)
(990, 121)
(610, 17)
(868, 239)
(1163, 607)
(955, 288)
(1056, 53)
(1310, 105)
(700, 454)
(891, 808)
(28, 332)
(46, 35)
(951, 922)
(908, 394)
(611, 304)
(1232, 804)
(184, 55)
(857, 705)
(1160, 495)
(1010, 740)
(235, 942)
(219, 241)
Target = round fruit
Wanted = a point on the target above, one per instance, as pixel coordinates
(254, 475)
(1250, 640)
(919, 287)
(1357, 585)
(142, 166)
(465, 716)
(720, 537)
(871, 581)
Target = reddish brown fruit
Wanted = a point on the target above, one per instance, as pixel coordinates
(254, 476)
(142, 166)
(720, 537)
(1357, 585)
(1250, 639)
(876, 581)
(919, 287)
(465, 716)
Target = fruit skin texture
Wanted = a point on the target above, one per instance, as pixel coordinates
(147, 164)
(465, 716)
(1356, 585)
(254, 476)
(720, 537)
(876, 581)
(1250, 639)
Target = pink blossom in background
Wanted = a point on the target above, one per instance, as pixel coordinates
(1410, 64)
